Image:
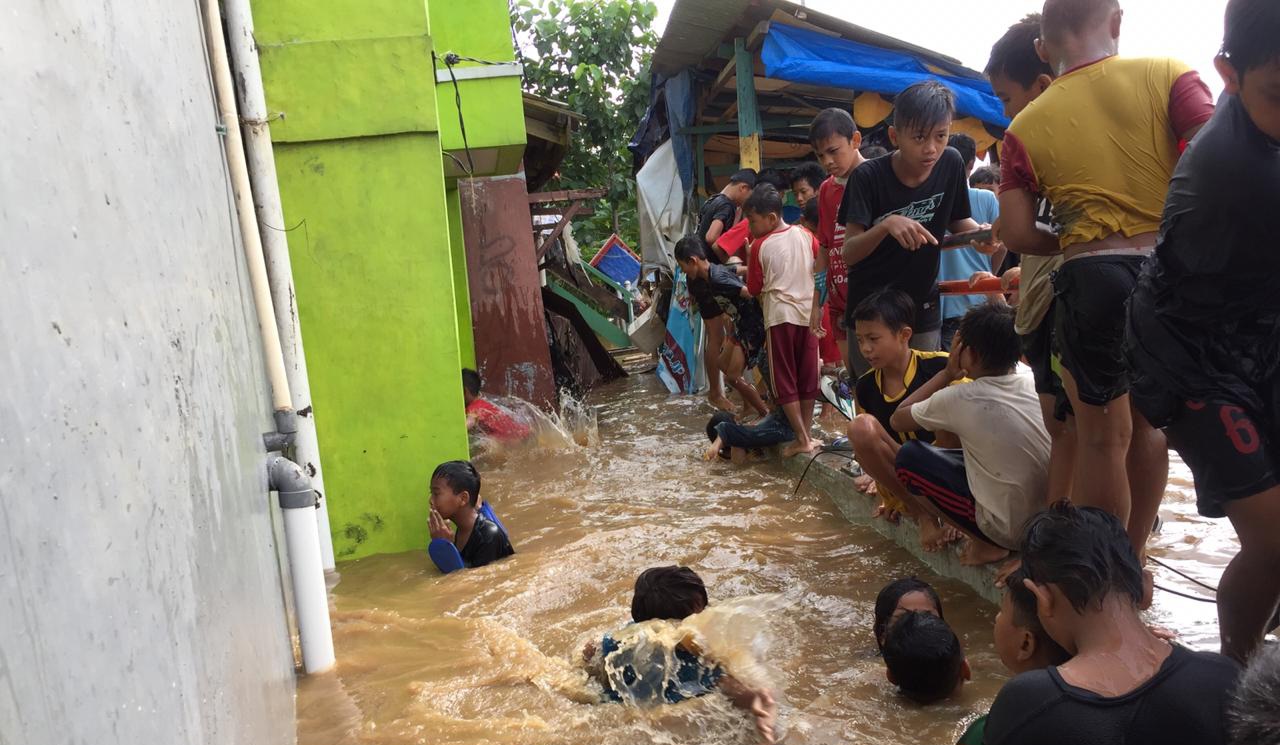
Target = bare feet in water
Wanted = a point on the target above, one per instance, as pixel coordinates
(723, 404)
(976, 553)
(798, 447)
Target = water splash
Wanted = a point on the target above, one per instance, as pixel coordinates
(573, 426)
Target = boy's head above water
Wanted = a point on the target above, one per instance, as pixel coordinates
(671, 593)
(882, 327)
(455, 485)
(763, 210)
(835, 141)
(924, 658)
(900, 597)
(1021, 640)
(1250, 60)
(922, 117)
(1017, 74)
(470, 385)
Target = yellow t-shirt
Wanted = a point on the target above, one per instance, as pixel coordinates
(1101, 146)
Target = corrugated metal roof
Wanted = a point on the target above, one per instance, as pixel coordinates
(696, 28)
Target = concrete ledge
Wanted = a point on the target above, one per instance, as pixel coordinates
(857, 507)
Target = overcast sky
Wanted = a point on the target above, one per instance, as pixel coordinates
(1190, 30)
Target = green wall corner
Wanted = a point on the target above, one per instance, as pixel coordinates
(461, 291)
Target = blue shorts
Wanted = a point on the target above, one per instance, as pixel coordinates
(774, 429)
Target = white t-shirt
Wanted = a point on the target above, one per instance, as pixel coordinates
(786, 257)
(1006, 447)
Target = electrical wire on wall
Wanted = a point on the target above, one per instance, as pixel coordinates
(450, 59)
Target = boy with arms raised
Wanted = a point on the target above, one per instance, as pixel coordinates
(1100, 144)
(835, 141)
(882, 325)
(1204, 321)
(992, 487)
(898, 207)
(781, 274)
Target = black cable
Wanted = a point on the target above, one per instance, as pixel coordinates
(450, 60)
(805, 472)
(1184, 595)
(1184, 575)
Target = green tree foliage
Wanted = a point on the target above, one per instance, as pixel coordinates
(593, 55)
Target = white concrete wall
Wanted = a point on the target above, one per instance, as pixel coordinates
(140, 594)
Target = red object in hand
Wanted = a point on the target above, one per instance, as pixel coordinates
(981, 287)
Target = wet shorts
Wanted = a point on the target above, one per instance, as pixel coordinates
(1231, 454)
(1090, 323)
(938, 475)
(1038, 349)
(793, 363)
(774, 429)
(749, 334)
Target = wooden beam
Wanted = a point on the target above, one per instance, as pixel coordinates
(782, 165)
(721, 80)
(776, 123)
(553, 209)
(542, 197)
(569, 214)
(749, 129)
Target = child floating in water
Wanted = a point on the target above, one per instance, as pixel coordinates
(922, 654)
(672, 593)
(480, 539)
(487, 419)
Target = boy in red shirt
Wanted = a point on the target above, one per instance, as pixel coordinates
(781, 274)
(835, 142)
(484, 417)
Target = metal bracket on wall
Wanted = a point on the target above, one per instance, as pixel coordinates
(482, 72)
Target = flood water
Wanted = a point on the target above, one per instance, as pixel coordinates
(488, 655)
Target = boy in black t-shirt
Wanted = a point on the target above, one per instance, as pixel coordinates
(455, 495)
(720, 212)
(1203, 336)
(721, 295)
(882, 329)
(898, 207)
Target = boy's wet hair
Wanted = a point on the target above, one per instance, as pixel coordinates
(1014, 56)
(461, 476)
(923, 106)
(689, 248)
(887, 601)
(988, 331)
(893, 308)
(1025, 616)
(830, 123)
(871, 152)
(1252, 34)
(810, 173)
(924, 657)
(672, 593)
(1072, 17)
(718, 418)
(809, 213)
(1253, 716)
(964, 145)
(745, 176)
(764, 200)
(985, 175)
(471, 381)
(1084, 551)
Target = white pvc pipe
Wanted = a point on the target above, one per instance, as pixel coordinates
(310, 596)
(301, 532)
(275, 245)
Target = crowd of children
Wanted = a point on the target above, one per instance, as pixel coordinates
(1137, 313)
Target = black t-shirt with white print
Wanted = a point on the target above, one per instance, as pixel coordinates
(718, 207)
(874, 193)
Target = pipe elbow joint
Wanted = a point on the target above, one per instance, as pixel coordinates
(291, 482)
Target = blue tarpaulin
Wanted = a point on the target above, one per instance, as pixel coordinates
(804, 56)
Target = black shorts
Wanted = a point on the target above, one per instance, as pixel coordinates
(1090, 323)
(938, 475)
(1231, 454)
(1039, 350)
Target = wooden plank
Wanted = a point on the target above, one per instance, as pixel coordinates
(749, 128)
(569, 214)
(555, 209)
(542, 197)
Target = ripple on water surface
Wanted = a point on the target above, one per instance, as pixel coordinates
(488, 655)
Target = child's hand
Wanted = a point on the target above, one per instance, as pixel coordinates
(816, 327)
(1009, 278)
(439, 527)
(954, 370)
(588, 651)
(908, 233)
(986, 248)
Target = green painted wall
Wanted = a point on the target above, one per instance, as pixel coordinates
(461, 291)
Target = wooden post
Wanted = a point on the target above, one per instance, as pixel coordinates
(749, 128)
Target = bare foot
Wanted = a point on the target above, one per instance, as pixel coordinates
(935, 537)
(723, 404)
(977, 553)
(867, 485)
(801, 446)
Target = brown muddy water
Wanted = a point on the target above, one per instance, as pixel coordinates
(489, 655)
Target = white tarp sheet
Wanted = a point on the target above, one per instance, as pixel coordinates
(663, 220)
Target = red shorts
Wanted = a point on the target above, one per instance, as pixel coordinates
(793, 363)
(828, 350)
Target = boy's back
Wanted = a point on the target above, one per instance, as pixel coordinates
(1101, 144)
(874, 192)
(785, 263)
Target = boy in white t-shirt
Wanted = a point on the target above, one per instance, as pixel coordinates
(780, 271)
(1000, 479)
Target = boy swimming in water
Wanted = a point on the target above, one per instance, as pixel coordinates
(455, 496)
(673, 593)
(900, 597)
(484, 417)
(923, 658)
